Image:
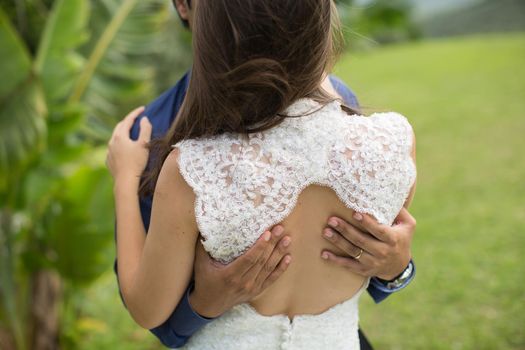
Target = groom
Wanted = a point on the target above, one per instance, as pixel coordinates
(372, 250)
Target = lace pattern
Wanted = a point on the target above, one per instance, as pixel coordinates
(246, 184)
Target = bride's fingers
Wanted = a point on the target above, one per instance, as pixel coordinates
(355, 236)
(349, 263)
(134, 114)
(379, 231)
(404, 218)
(341, 242)
(145, 130)
(124, 126)
(127, 123)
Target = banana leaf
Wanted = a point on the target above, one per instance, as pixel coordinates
(22, 108)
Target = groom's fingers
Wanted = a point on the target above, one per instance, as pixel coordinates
(280, 251)
(264, 261)
(203, 258)
(277, 272)
(255, 256)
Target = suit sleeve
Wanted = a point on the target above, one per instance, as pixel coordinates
(181, 325)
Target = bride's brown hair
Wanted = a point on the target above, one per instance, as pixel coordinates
(252, 59)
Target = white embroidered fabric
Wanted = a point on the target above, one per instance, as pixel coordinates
(243, 328)
(247, 184)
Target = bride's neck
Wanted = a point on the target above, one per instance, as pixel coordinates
(327, 86)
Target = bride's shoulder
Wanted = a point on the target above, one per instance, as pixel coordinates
(393, 122)
(390, 118)
(387, 128)
(207, 144)
(396, 123)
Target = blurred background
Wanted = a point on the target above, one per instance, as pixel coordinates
(71, 69)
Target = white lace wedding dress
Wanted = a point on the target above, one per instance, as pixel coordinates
(246, 184)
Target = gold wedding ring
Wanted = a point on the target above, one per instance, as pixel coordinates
(358, 256)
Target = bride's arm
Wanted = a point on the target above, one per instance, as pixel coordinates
(155, 271)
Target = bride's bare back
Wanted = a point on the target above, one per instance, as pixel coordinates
(311, 285)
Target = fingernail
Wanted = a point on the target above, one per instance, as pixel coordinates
(324, 255)
(287, 259)
(332, 222)
(278, 231)
(286, 242)
(267, 236)
(358, 216)
(328, 233)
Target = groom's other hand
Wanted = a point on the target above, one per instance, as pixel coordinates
(372, 249)
(219, 287)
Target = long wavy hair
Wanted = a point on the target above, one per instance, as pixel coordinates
(252, 59)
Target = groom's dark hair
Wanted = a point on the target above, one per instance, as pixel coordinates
(251, 60)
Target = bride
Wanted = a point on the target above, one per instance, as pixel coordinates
(258, 142)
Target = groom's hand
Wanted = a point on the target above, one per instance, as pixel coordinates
(372, 249)
(220, 287)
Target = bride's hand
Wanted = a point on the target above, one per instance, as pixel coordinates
(126, 158)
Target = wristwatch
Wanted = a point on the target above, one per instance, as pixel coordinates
(400, 280)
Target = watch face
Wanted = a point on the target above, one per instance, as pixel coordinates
(394, 284)
(402, 279)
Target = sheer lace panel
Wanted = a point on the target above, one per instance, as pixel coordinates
(246, 184)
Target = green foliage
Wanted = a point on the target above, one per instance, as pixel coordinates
(380, 22)
(101, 322)
(17, 65)
(124, 77)
(29, 18)
(389, 21)
(55, 194)
(22, 128)
(57, 61)
(344, 2)
(79, 234)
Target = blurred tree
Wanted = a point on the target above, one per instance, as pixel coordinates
(29, 18)
(344, 2)
(388, 21)
(379, 22)
(66, 64)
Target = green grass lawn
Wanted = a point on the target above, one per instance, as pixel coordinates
(466, 100)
